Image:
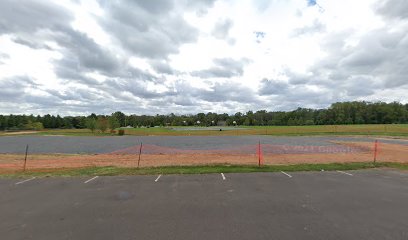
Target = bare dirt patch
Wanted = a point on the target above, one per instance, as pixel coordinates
(20, 133)
(386, 153)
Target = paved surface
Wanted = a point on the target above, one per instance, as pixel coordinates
(68, 144)
(370, 204)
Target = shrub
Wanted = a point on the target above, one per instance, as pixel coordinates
(91, 124)
(121, 132)
(102, 124)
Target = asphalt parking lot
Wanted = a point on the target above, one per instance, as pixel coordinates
(363, 204)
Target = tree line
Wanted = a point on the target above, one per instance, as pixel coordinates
(357, 112)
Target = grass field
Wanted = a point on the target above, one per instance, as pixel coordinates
(202, 169)
(367, 129)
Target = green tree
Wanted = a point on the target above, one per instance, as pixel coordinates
(113, 123)
(33, 125)
(91, 124)
(102, 124)
(121, 117)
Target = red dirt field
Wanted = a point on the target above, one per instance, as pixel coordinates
(386, 153)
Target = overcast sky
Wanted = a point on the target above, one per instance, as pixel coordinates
(188, 56)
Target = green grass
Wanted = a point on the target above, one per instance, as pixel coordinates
(114, 171)
(400, 130)
(361, 129)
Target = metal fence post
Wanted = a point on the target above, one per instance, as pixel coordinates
(140, 153)
(375, 150)
(259, 154)
(25, 158)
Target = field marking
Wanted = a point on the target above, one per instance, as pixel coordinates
(223, 176)
(87, 181)
(286, 174)
(157, 179)
(345, 173)
(25, 181)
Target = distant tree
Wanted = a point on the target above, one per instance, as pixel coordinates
(33, 125)
(121, 117)
(102, 124)
(113, 123)
(93, 115)
(38, 126)
(91, 124)
(357, 112)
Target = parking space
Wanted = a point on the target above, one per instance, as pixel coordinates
(365, 204)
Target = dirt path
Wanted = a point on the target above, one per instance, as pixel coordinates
(20, 133)
(386, 153)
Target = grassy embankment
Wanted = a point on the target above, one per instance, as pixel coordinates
(114, 171)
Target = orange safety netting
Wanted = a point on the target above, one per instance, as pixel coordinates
(258, 149)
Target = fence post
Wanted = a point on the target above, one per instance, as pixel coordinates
(259, 153)
(25, 158)
(375, 150)
(140, 153)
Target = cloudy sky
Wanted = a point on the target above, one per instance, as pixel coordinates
(186, 56)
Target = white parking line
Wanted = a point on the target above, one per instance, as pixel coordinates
(87, 181)
(157, 179)
(25, 180)
(286, 174)
(223, 176)
(345, 173)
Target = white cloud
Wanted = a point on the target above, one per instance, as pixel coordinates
(193, 56)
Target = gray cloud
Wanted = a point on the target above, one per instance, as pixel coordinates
(295, 78)
(315, 27)
(223, 68)
(17, 91)
(147, 29)
(394, 9)
(69, 69)
(31, 44)
(13, 89)
(77, 94)
(143, 33)
(217, 93)
(199, 6)
(357, 86)
(161, 67)
(137, 88)
(285, 96)
(182, 101)
(227, 92)
(31, 23)
(302, 93)
(272, 87)
(262, 5)
(80, 55)
(85, 51)
(3, 56)
(380, 54)
(44, 102)
(221, 28)
(29, 16)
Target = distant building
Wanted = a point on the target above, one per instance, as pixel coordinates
(222, 123)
